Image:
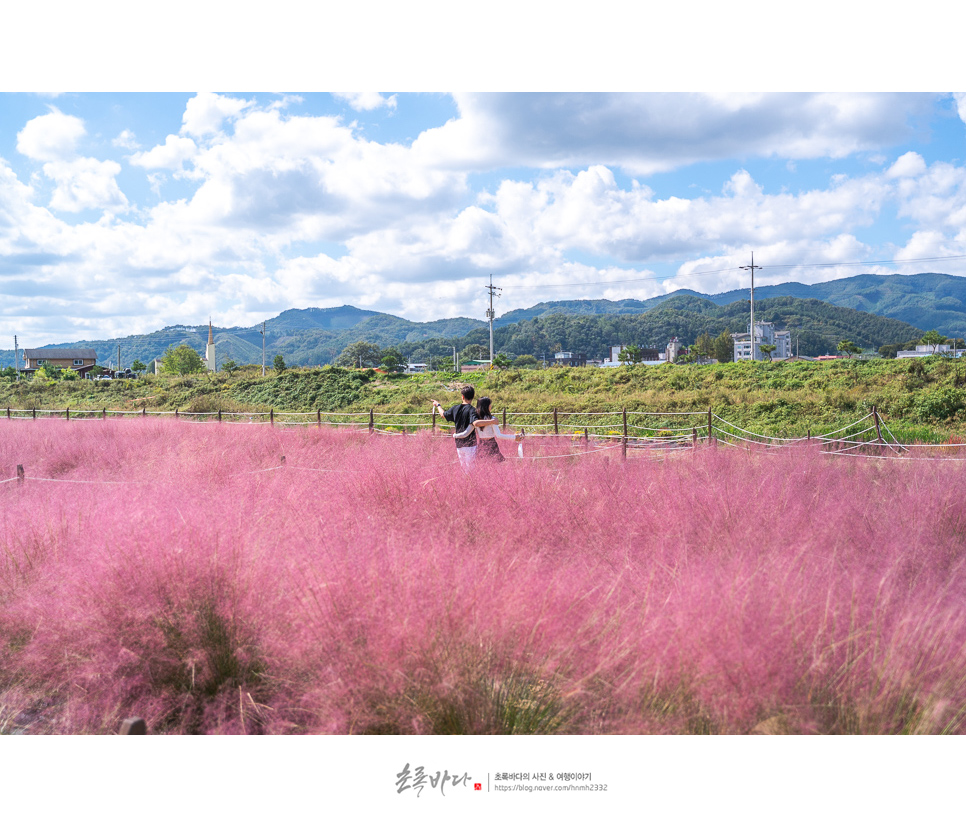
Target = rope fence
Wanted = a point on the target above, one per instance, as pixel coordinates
(587, 431)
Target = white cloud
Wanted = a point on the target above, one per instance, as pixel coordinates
(910, 164)
(960, 99)
(126, 139)
(172, 154)
(85, 183)
(367, 101)
(206, 112)
(51, 137)
(644, 133)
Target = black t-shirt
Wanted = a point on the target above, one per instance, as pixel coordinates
(462, 414)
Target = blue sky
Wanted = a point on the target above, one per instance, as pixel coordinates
(121, 213)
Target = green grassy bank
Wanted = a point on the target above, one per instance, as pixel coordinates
(920, 399)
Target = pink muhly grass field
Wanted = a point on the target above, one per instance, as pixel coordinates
(368, 586)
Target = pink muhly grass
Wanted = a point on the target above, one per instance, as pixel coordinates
(368, 585)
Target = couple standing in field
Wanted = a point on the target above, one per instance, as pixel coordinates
(476, 429)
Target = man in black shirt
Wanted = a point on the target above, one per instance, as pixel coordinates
(462, 414)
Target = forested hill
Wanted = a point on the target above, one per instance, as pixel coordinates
(815, 325)
(929, 301)
(315, 336)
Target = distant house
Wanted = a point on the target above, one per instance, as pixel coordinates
(81, 360)
(570, 359)
(928, 350)
(765, 334)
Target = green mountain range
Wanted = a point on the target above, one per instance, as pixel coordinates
(816, 328)
(904, 305)
(929, 300)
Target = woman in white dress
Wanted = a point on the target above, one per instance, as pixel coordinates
(487, 430)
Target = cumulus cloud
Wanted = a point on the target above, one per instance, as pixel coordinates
(85, 183)
(644, 133)
(206, 113)
(126, 139)
(909, 164)
(960, 99)
(51, 137)
(172, 154)
(79, 182)
(367, 101)
(304, 177)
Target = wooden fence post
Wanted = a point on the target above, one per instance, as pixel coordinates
(624, 438)
(219, 415)
(709, 427)
(20, 474)
(372, 423)
(8, 412)
(318, 417)
(555, 428)
(103, 413)
(271, 416)
(144, 411)
(434, 420)
(694, 439)
(586, 439)
(504, 418)
(35, 414)
(878, 428)
(67, 413)
(176, 414)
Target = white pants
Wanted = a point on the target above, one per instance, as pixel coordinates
(467, 455)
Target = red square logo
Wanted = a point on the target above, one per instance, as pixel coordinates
(477, 786)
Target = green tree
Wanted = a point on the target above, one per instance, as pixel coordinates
(360, 355)
(69, 374)
(704, 345)
(475, 351)
(526, 361)
(630, 355)
(724, 347)
(932, 337)
(229, 366)
(278, 363)
(48, 372)
(848, 347)
(138, 366)
(501, 361)
(768, 350)
(392, 361)
(181, 360)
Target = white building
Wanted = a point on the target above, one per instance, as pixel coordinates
(210, 350)
(929, 350)
(765, 334)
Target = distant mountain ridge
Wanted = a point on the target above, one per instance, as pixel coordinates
(928, 300)
(314, 335)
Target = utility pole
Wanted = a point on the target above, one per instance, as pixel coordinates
(751, 332)
(455, 369)
(263, 348)
(490, 314)
(118, 357)
(16, 358)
